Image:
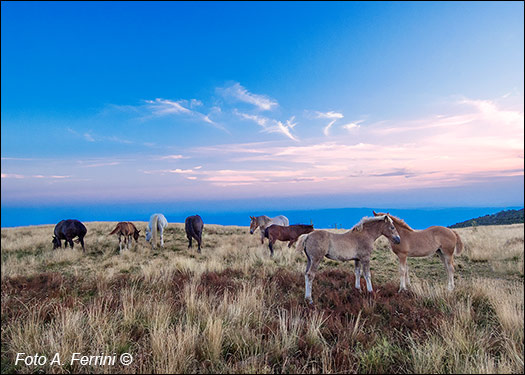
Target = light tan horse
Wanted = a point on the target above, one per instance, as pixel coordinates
(262, 222)
(125, 230)
(356, 244)
(420, 243)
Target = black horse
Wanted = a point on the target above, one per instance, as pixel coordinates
(194, 225)
(67, 230)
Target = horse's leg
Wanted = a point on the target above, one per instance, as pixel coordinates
(311, 269)
(357, 272)
(262, 236)
(162, 237)
(448, 261)
(189, 240)
(292, 242)
(407, 278)
(199, 240)
(403, 270)
(366, 271)
(70, 241)
(81, 239)
(270, 245)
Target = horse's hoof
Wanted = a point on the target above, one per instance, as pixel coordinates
(310, 301)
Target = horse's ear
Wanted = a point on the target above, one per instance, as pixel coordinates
(375, 213)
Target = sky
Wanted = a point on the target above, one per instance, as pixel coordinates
(296, 104)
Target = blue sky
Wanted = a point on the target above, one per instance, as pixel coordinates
(410, 104)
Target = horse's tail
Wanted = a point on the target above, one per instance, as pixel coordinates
(154, 230)
(190, 229)
(459, 244)
(301, 242)
(114, 230)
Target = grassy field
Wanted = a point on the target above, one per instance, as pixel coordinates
(234, 309)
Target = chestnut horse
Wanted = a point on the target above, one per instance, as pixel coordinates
(420, 243)
(285, 233)
(356, 244)
(263, 221)
(126, 230)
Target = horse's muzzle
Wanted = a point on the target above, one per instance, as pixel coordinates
(396, 239)
(251, 231)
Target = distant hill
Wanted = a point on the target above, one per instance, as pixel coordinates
(499, 218)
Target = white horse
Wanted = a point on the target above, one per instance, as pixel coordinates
(263, 222)
(157, 222)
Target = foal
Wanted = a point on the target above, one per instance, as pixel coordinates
(420, 243)
(356, 244)
(125, 229)
(290, 233)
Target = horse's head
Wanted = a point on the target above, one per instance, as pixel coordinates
(253, 224)
(389, 230)
(56, 242)
(148, 235)
(136, 235)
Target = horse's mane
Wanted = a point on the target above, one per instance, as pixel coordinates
(367, 219)
(401, 223)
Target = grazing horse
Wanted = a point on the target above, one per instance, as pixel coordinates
(126, 230)
(262, 222)
(419, 243)
(157, 223)
(356, 244)
(290, 233)
(67, 230)
(193, 225)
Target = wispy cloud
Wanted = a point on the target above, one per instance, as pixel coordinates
(20, 176)
(334, 116)
(164, 107)
(352, 125)
(239, 93)
(173, 157)
(271, 125)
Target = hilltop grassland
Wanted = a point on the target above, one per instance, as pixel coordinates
(234, 309)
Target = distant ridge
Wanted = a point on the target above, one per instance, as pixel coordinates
(499, 218)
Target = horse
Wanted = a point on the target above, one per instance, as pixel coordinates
(126, 229)
(285, 233)
(356, 244)
(157, 222)
(263, 221)
(193, 225)
(67, 230)
(420, 243)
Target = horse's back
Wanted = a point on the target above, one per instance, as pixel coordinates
(281, 220)
(71, 228)
(161, 221)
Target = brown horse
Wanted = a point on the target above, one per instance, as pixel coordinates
(356, 244)
(193, 226)
(285, 233)
(263, 221)
(420, 243)
(126, 230)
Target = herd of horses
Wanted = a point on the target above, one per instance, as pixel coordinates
(356, 244)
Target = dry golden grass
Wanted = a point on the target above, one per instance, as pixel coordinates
(235, 309)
